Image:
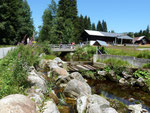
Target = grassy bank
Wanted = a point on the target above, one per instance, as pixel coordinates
(86, 53)
(14, 67)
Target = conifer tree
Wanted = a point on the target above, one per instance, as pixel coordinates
(93, 26)
(48, 30)
(99, 26)
(104, 25)
(15, 21)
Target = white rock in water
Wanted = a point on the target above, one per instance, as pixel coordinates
(17, 104)
(135, 108)
(81, 104)
(109, 110)
(50, 107)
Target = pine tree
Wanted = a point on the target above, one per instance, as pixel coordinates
(67, 9)
(49, 28)
(14, 24)
(104, 25)
(93, 26)
(99, 26)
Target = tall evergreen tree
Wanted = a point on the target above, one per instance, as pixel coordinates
(104, 25)
(49, 24)
(67, 9)
(93, 26)
(14, 24)
(99, 26)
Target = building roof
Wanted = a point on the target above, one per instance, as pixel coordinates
(125, 37)
(99, 33)
(108, 34)
(101, 43)
(138, 38)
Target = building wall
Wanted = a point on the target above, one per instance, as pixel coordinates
(137, 62)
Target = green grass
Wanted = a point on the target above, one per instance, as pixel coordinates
(14, 67)
(128, 51)
(2, 46)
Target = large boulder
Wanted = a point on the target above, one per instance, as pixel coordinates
(50, 107)
(76, 88)
(77, 76)
(93, 108)
(60, 71)
(98, 99)
(82, 104)
(17, 104)
(94, 104)
(36, 95)
(109, 110)
(63, 80)
(37, 80)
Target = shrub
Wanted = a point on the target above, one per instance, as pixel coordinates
(146, 65)
(83, 54)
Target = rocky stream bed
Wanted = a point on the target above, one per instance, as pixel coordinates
(54, 90)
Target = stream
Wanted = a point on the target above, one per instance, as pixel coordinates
(124, 94)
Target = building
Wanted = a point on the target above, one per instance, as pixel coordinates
(110, 38)
(141, 40)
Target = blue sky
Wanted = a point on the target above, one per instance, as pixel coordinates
(120, 15)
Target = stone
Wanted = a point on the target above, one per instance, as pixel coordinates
(132, 81)
(109, 110)
(63, 80)
(140, 81)
(112, 76)
(52, 64)
(37, 80)
(126, 75)
(43, 64)
(137, 108)
(102, 73)
(77, 76)
(123, 81)
(94, 104)
(60, 71)
(57, 60)
(76, 88)
(93, 108)
(81, 104)
(50, 107)
(17, 104)
(98, 99)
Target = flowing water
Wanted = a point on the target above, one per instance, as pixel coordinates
(124, 94)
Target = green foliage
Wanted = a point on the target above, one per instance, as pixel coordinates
(112, 62)
(49, 57)
(15, 21)
(83, 54)
(14, 67)
(89, 74)
(143, 74)
(93, 26)
(107, 69)
(127, 51)
(146, 65)
(99, 26)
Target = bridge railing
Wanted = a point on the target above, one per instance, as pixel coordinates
(64, 46)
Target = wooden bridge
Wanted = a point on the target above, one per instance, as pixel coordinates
(63, 48)
(81, 66)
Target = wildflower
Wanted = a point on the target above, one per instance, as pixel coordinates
(19, 55)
